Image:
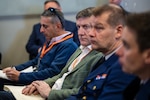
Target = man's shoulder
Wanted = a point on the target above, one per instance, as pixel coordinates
(68, 43)
(70, 22)
(37, 25)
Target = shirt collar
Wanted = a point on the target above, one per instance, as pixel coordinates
(85, 47)
(107, 56)
(59, 37)
(144, 81)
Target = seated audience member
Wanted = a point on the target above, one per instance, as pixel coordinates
(37, 39)
(106, 81)
(55, 53)
(135, 53)
(71, 77)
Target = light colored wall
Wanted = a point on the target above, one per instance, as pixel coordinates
(14, 33)
(136, 5)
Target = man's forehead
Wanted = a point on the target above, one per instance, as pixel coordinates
(98, 20)
(45, 20)
(103, 15)
(83, 20)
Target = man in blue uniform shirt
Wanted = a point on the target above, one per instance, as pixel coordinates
(37, 39)
(106, 80)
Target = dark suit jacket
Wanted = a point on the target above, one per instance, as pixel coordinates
(132, 89)
(71, 26)
(106, 82)
(135, 91)
(37, 39)
(144, 92)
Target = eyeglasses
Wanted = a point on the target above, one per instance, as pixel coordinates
(54, 11)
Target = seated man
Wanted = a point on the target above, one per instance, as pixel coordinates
(106, 81)
(37, 39)
(135, 53)
(71, 77)
(53, 56)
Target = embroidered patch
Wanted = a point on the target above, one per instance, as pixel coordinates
(103, 76)
(98, 77)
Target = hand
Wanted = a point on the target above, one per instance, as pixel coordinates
(7, 68)
(11, 73)
(43, 88)
(30, 89)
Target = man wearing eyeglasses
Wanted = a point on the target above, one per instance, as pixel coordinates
(53, 56)
(37, 39)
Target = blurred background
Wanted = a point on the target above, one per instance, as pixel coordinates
(17, 18)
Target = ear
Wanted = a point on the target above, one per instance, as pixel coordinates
(58, 25)
(119, 30)
(147, 56)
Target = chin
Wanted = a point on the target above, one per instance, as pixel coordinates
(83, 43)
(94, 47)
(126, 70)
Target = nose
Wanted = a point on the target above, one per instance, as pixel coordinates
(91, 32)
(81, 31)
(41, 29)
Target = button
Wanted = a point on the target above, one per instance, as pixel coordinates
(94, 87)
(84, 97)
(94, 94)
(88, 81)
(84, 88)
